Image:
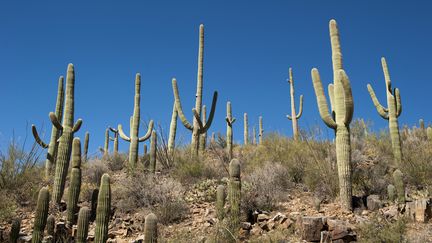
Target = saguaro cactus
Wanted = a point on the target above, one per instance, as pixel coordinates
(115, 139)
(429, 133)
(246, 129)
(234, 194)
(150, 228)
(67, 132)
(220, 202)
(294, 116)
(391, 113)
(55, 132)
(83, 225)
(203, 136)
(86, 144)
(133, 139)
(173, 130)
(41, 215)
(342, 103)
(153, 148)
(197, 127)
(15, 230)
(50, 225)
(254, 142)
(75, 182)
(261, 130)
(106, 143)
(103, 210)
(399, 185)
(229, 137)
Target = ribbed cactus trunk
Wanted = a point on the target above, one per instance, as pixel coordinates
(203, 136)
(294, 116)
(339, 119)
(220, 202)
(83, 225)
(399, 185)
(234, 195)
(173, 130)
(229, 137)
(246, 129)
(254, 142)
(106, 143)
(103, 210)
(41, 215)
(261, 130)
(153, 152)
(55, 132)
(50, 225)
(86, 144)
(133, 139)
(75, 182)
(150, 229)
(68, 129)
(115, 140)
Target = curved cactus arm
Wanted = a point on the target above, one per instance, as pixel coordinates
(113, 130)
(122, 134)
(179, 108)
(348, 99)
(55, 121)
(230, 121)
(197, 117)
(398, 102)
(77, 125)
(381, 110)
(321, 100)
(37, 138)
(212, 111)
(149, 132)
(300, 112)
(289, 117)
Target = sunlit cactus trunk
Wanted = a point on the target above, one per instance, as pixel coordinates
(103, 210)
(41, 215)
(106, 143)
(261, 130)
(294, 116)
(173, 130)
(220, 202)
(229, 137)
(246, 129)
(55, 132)
(254, 142)
(150, 229)
(75, 182)
(86, 144)
(68, 128)
(83, 225)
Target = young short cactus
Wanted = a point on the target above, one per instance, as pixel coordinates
(67, 133)
(150, 228)
(246, 129)
(115, 139)
(197, 127)
(203, 136)
(75, 182)
(399, 185)
(55, 132)
(173, 130)
(86, 144)
(341, 101)
(261, 130)
(234, 194)
(41, 215)
(153, 152)
(50, 225)
(294, 116)
(133, 139)
(220, 202)
(83, 225)
(229, 137)
(15, 230)
(103, 210)
(391, 113)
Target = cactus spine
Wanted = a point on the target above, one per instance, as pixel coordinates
(294, 116)
(115, 139)
(197, 127)
(341, 102)
(67, 132)
(41, 215)
(86, 144)
(103, 210)
(75, 182)
(153, 152)
(83, 225)
(150, 228)
(15, 230)
(234, 194)
(399, 185)
(173, 130)
(391, 113)
(203, 136)
(55, 132)
(246, 129)
(229, 137)
(261, 130)
(133, 139)
(220, 202)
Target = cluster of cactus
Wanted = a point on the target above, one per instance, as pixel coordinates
(341, 102)
(150, 228)
(75, 182)
(103, 210)
(197, 127)
(41, 215)
(229, 137)
(153, 152)
(55, 132)
(133, 139)
(234, 194)
(114, 139)
(294, 116)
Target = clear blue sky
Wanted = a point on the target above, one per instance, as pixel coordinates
(248, 49)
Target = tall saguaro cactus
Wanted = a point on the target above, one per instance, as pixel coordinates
(173, 130)
(103, 210)
(229, 137)
(115, 139)
(254, 142)
(261, 130)
(246, 129)
(153, 152)
(133, 139)
(341, 101)
(75, 182)
(203, 136)
(106, 143)
(391, 113)
(41, 215)
(197, 127)
(55, 132)
(294, 116)
(68, 128)
(86, 144)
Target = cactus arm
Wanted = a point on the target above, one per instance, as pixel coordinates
(321, 100)
(179, 108)
(37, 138)
(113, 130)
(55, 121)
(386, 74)
(212, 111)
(77, 125)
(122, 134)
(198, 117)
(398, 102)
(149, 132)
(111, 138)
(300, 112)
(349, 104)
(381, 110)
(230, 121)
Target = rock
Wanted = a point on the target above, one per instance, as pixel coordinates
(262, 217)
(256, 230)
(340, 230)
(391, 212)
(286, 223)
(422, 210)
(25, 239)
(410, 210)
(325, 237)
(358, 202)
(373, 202)
(246, 225)
(310, 228)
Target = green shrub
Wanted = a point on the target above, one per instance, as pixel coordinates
(380, 230)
